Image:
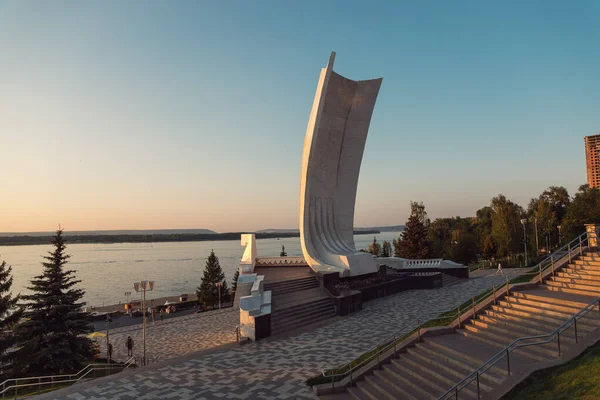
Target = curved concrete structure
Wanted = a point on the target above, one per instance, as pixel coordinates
(333, 149)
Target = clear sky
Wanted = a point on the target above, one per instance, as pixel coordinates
(190, 114)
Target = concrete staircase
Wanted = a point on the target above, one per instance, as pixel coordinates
(449, 280)
(581, 276)
(293, 285)
(297, 303)
(303, 314)
(434, 365)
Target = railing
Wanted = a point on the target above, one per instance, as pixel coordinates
(338, 373)
(575, 246)
(35, 384)
(516, 344)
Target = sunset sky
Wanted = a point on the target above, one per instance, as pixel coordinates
(191, 114)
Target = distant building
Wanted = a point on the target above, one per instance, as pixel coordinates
(592, 148)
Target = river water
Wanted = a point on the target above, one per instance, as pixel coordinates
(107, 271)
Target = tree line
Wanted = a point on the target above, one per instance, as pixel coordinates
(45, 332)
(499, 230)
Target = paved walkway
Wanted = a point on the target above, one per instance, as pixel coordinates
(277, 368)
(177, 336)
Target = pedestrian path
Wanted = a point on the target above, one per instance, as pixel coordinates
(275, 368)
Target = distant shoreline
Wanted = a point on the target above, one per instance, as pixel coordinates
(151, 238)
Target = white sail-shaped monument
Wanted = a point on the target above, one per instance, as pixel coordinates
(333, 149)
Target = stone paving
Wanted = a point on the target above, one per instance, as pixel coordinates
(175, 337)
(270, 369)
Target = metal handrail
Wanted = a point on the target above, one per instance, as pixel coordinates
(517, 343)
(52, 380)
(391, 341)
(414, 325)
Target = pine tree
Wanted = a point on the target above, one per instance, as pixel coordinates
(283, 253)
(413, 243)
(50, 340)
(234, 283)
(375, 248)
(208, 292)
(386, 249)
(10, 314)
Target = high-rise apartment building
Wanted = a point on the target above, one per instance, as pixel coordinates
(592, 162)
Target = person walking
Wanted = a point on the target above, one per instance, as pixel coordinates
(499, 270)
(153, 315)
(110, 349)
(129, 346)
(162, 315)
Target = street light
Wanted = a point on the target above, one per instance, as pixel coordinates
(218, 285)
(524, 221)
(537, 243)
(142, 286)
(108, 321)
(559, 242)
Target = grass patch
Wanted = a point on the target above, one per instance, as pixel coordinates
(577, 379)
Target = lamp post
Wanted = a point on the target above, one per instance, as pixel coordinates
(524, 221)
(537, 243)
(559, 241)
(142, 286)
(108, 321)
(218, 285)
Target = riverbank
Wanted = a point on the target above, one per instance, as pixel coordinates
(151, 238)
(150, 302)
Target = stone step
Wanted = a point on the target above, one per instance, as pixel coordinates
(445, 373)
(543, 305)
(579, 281)
(426, 382)
(311, 312)
(368, 390)
(300, 308)
(525, 326)
(357, 394)
(404, 381)
(506, 336)
(538, 318)
(383, 388)
(543, 296)
(576, 286)
(569, 290)
(459, 365)
(292, 287)
(492, 340)
(291, 323)
(585, 264)
(581, 271)
(397, 387)
(564, 315)
(577, 275)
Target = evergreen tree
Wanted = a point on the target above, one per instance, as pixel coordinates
(208, 292)
(234, 283)
(49, 339)
(10, 314)
(386, 249)
(283, 253)
(413, 243)
(375, 248)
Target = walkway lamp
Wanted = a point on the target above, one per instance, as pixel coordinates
(524, 222)
(559, 237)
(141, 287)
(218, 285)
(108, 321)
(537, 243)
